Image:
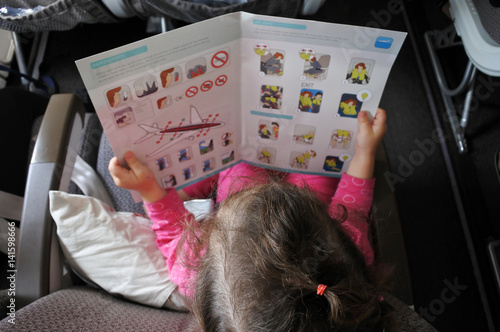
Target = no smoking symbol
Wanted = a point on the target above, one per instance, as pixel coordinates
(221, 80)
(191, 92)
(220, 59)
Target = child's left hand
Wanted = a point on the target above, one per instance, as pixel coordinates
(138, 177)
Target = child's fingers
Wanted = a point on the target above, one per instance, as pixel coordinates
(118, 173)
(380, 117)
(379, 122)
(114, 167)
(135, 165)
(364, 121)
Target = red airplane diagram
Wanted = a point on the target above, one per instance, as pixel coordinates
(195, 127)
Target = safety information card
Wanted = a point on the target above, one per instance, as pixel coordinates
(274, 92)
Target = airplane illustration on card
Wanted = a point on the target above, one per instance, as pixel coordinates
(172, 133)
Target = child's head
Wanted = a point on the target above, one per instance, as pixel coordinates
(269, 247)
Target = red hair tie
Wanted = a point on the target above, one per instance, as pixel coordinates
(321, 289)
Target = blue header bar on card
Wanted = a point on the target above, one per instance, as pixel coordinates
(280, 24)
(118, 57)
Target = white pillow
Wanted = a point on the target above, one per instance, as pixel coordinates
(115, 250)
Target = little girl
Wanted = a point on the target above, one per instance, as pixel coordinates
(283, 252)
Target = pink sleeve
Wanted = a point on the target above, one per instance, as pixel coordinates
(324, 187)
(238, 177)
(168, 216)
(356, 196)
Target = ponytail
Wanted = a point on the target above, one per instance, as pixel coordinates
(333, 301)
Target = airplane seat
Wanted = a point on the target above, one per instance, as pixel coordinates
(49, 15)
(49, 297)
(478, 24)
(476, 28)
(21, 114)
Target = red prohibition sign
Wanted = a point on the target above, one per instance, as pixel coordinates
(220, 59)
(191, 92)
(221, 80)
(207, 85)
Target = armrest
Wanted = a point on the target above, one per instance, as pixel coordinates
(53, 156)
(389, 241)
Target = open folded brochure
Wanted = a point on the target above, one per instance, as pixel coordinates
(274, 92)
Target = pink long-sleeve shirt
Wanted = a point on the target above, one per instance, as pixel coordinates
(168, 215)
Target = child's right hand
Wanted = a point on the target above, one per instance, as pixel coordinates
(368, 139)
(137, 177)
(370, 133)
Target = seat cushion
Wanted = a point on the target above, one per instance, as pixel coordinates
(87, 309)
